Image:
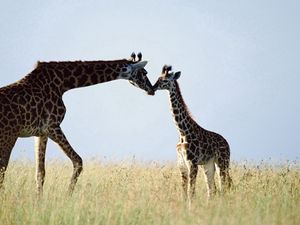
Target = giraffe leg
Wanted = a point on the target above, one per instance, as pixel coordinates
(184, 179)
(58, 136)
(40, 150)
(226, 181)
(183, 170)
(193, 171)
(5, 151)
(209, 172)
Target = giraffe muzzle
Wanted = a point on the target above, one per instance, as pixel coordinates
(151, 92)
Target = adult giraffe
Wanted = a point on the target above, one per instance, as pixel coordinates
(33, 106)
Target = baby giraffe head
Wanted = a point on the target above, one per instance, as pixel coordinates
(167, 79)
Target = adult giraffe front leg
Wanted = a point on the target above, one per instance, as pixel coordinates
(57, 135)
(6, 145)
(40, 151)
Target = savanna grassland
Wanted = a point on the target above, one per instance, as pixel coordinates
(136, 193)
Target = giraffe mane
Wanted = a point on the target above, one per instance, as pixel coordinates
(42, 63)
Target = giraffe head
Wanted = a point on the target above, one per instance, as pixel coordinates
(167, 79)
(135, 73)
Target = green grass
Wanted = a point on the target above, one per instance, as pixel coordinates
(133, 193)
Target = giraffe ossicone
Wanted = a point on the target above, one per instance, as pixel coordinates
(33, 106)
(197, 146)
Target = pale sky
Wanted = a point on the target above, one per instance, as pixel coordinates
(239, 62)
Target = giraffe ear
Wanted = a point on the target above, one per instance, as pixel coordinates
(139, 65)
(177, 75)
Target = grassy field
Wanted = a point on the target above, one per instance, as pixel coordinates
(133, 193)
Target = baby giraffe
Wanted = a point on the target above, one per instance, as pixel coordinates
(197, 146)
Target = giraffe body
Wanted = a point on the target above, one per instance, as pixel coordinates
(33, 106)
(197, 146)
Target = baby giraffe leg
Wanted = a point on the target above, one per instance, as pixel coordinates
(226, 181)
(209, 174)
(193, 171)
(184, 180)
(183, 170)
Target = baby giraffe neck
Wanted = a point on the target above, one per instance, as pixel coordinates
(181, 114)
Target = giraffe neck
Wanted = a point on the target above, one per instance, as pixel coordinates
(69, 75)
(181, 114)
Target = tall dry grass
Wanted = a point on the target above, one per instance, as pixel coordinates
(133, 193)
